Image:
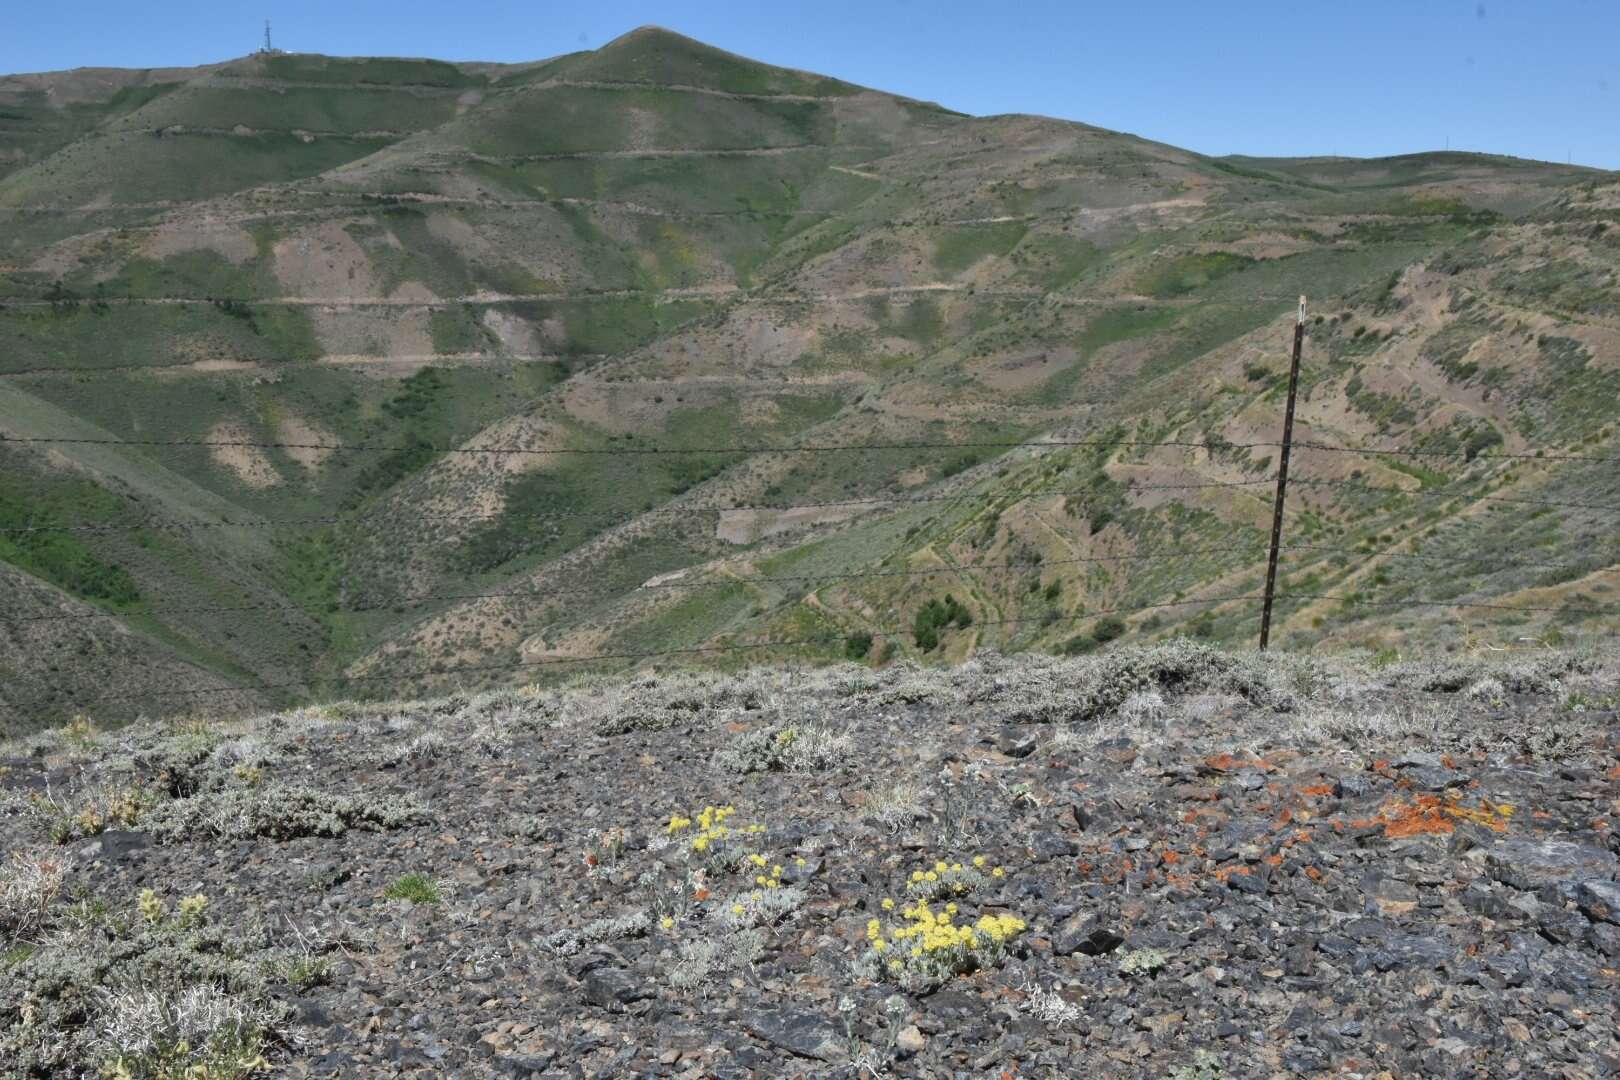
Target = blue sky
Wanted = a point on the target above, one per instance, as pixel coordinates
(1532, 78)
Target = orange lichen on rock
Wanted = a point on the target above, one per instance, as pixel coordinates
(1432, 815)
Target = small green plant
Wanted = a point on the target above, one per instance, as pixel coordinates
(1143, 962)
(91, 810)
(304, 972)
(192, 910)
(29, 885)
(152, 908)
(786, 749)
(79, 732)
(417, 888)
(1204, 1066)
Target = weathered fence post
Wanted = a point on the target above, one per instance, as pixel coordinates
(1282, 478)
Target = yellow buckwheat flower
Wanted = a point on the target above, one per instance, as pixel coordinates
(979, 861)
(888, 905)
(998, 872)
(666, 922)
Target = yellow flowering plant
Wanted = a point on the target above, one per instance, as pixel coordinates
(711, 833)
(941, 879)
(928, 946)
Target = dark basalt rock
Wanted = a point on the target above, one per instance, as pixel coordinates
(608, 986)
(1528, 864)
(1085, 933)
(800, 1032)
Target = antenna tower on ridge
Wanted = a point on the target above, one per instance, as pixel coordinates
(269, 49)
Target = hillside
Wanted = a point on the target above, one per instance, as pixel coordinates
(429, 321)
(1166, 862)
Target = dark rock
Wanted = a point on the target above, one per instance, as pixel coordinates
(607, 986)
(799, 1032)
(114, 844)
(1351, 786)
(1016, 742)
(1300, 959)
(1050, 845)
(1249, 779)
(1085, 933)
(1118, 751)
(1599, 900)
(1082, 816)
(1529, 864)
(1435, 777)
(1406, 951)
(311, 1013)
(1606, 939)
(524, 1065)
(1563, 926)
(1388, 896)
(954, 1005)
(1479, 898)
(333, 1063)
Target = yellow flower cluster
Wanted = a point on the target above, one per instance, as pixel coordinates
(773, 880)
(711, 826)
(929, 932)
(948, 879)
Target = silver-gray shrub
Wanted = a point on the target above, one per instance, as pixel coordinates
(279, 813)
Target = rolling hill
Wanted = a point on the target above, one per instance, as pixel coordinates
(320, 376)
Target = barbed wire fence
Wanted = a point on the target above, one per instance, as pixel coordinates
(1242, 556)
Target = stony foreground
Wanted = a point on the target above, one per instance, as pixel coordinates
(1163, 862)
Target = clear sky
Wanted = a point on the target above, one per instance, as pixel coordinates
(1532, 78)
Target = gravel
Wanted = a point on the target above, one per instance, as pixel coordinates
(1246, 880)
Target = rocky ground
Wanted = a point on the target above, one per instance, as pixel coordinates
(1168, 862)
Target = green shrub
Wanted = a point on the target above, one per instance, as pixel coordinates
(1108, 629)
(937, 615)
(858, 646)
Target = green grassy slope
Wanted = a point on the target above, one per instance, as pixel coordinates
(660, 245)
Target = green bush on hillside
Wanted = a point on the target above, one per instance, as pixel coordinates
(936, 616)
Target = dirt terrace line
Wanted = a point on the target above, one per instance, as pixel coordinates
(497, 90)
(699, 292)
